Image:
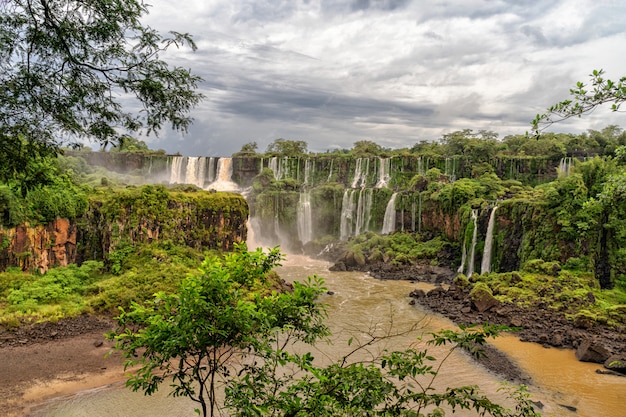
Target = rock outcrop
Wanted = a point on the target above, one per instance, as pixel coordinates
(199, 219)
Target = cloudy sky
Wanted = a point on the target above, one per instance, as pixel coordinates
(332, 72)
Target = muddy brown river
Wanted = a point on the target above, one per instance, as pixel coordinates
(360, 303)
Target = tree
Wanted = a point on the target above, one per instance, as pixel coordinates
(584, 100)
(72, 69)
(366, 148)
(199, 336)
(227, 326)
(247, 149)
(390, 384)
(284, 147)
(130, 144)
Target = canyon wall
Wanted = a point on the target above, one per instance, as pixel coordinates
(200, 219)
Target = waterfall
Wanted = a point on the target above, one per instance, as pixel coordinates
(273, 164)
(450, 168)
(176, 170)
(191, 173)
(192, 170)
(463, 256)
(304, 218)
(211, 171)
(361, 172)
(188, 170)
(470, 266)
(223, 181)
(363, 210)
(389, 223)
(347, 208)
(420, 166)
(282, 168)
(330, 173)
(565, 166)
(384, 172)
(307, 172)
(486, 262)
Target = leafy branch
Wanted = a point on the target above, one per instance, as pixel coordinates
(586, 98)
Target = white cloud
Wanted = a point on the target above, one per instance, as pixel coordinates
(395, 71)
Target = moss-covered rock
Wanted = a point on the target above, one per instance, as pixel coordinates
(482, 298)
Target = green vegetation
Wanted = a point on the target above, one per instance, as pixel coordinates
(227, 326)
(561, 288)
(396, 248)
(134, 274)
(585, 100)
(66, 67)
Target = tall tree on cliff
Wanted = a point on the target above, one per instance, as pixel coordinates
(71, 70)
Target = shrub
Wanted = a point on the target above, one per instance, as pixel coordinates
(461, 281)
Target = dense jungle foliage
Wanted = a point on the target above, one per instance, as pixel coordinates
(576, 218)
(572, 223)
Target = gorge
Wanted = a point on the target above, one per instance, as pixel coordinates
(310, 205)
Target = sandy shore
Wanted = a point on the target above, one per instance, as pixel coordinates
(33, 371)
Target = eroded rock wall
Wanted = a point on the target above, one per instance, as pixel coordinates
(199, 219)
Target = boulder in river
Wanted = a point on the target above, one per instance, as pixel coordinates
(616, 363)
(589, 351)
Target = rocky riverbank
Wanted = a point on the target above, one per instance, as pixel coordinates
(593, 342)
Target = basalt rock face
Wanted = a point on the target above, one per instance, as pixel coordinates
(202, 220)
(38, 247)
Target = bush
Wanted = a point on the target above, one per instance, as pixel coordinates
(12, 210)
(461, 281)
(58, 200)
(542, 267)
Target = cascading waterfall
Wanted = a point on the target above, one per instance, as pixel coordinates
(176, 170)
(274, 165)
(304, 218)
(192, 170)
(486, 262)
(224, 181)
(192, 175)
(463, 256)
(307, 171)
(450, 168)
(565, 166)
(472, 254)
(384, 172)
(363, 210)
(420, 166)
(282, 168)
(211, 171)
(330, 172)
(361, 171)
(356, 208)
(389, 222)
(347, 208)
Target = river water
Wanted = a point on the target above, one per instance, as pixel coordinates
(360, 304)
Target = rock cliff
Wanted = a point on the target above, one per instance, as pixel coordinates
(200, 219)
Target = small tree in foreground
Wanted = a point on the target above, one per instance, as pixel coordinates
(228, 328)
(199, 337)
